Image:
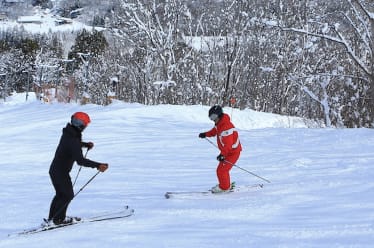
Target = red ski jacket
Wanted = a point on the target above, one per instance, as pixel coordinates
(227, 136)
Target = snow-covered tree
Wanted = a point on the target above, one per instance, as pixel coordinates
(347, 31)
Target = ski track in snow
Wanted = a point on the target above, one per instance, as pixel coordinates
(320, 195)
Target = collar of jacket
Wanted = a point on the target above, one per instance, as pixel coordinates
(71, 130)
(224, 119)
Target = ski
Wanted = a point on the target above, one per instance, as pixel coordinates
(209, 192)
(123, 213)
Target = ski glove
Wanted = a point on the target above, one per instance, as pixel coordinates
(220, 158)
(88, 145)
(202, 135)
(102, 167)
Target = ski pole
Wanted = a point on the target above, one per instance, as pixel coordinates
(211, 142)
(247, 171)
(92, 178)
(238, 166)
(80, 167)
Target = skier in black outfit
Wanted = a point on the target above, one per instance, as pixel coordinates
(68, 151)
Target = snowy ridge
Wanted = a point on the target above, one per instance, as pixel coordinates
(320, 195)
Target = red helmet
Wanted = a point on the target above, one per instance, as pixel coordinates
(80, 120)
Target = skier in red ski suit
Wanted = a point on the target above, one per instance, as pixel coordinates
(228, 143)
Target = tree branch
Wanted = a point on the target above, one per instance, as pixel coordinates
(339, 40)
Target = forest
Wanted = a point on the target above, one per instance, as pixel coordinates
(306, 58)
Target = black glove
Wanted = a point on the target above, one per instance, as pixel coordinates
(220, 158)
(202, 135)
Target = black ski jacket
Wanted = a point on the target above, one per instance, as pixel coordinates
(68, 151)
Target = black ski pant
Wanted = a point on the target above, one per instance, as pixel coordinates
(64, 194)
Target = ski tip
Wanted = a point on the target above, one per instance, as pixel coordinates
(167, 195)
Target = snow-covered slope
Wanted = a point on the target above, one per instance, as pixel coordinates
(320, 195)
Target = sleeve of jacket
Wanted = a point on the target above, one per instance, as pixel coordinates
(84, 144)
(211, 133)
(80, 159)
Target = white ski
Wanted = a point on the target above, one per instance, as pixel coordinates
(209, 192)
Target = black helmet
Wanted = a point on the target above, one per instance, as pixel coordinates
(215, 112)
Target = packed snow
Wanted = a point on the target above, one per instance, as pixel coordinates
(321, 191)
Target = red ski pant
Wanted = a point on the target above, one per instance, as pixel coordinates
(223, 170)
